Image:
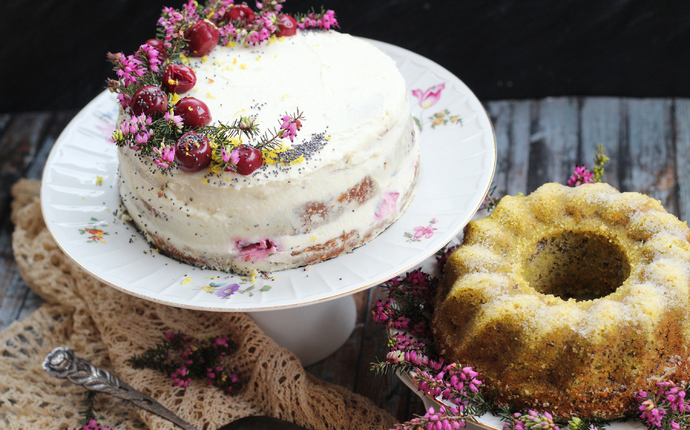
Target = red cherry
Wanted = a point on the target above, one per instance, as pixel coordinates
(193, 111)
(287, 26)
(240, 12)
(202, 36)
(193, 152)
(150, 100)
(250, 159)
(178, 78)
(158, 44)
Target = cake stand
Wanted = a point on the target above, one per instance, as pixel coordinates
(309, 311)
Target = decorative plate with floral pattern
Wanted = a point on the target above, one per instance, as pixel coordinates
(81, 206)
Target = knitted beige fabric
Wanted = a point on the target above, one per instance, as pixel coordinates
(107, 327)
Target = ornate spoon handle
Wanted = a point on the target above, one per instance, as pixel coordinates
(62, 363)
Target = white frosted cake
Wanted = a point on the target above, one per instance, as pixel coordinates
(350, 172)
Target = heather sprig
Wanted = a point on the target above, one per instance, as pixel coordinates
(406, 312)
(533, 420)
(666, 409)
(93, 425)
(289, 125)
(192, 361)
(432, 420)
(324, 20)
(156, 137)
(581, 175)
(600, 159)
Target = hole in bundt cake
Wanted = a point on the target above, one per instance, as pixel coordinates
(577, 265)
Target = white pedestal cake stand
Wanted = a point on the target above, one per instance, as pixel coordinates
(311, 312)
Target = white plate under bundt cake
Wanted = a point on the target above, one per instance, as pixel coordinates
(569, 300)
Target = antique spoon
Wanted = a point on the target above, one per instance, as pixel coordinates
(63, 363)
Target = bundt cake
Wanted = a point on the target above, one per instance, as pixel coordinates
(569, 300)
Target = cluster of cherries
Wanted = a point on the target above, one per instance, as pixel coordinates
(192, 150)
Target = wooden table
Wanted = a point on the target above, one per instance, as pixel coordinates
(538, 141)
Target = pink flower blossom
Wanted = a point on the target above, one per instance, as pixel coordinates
(429, 97)
(289, 127)
(427, 232)
(166, 155)
(581, 175)
(176, 120)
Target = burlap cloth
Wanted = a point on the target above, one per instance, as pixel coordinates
(107, 327)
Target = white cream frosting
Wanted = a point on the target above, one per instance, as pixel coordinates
(351, 94)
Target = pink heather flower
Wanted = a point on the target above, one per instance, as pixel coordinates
(395, 357)
(151, 55)
(170, 21)
(129, 69)
(221, 341)
(142, 138)
(180, 377)
(329, 20)
(427, 232)
(235, 156)
(382, 310)
(166, 155)
(124, 100)
(581, 175)
(289, 127)
(93, 425)
(176, 120)
(429, 97)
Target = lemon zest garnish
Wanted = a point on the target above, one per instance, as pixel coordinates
(281, 39)
(205, 180)
(234, 61)
(210, 96)
(204, 58)
(208, 289)
(231, 44)
(99, 180)
(313, 239)
(187, 280)
(286, 96)
(243, 66)
(210, 81)
(258, 57)
(175, 98)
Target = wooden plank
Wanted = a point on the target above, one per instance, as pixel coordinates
(511, 120)
(501, 115)
(386, 391)
(650, 160)
(682, 144)
(600, 119)
(554, 141)
(518, 150)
